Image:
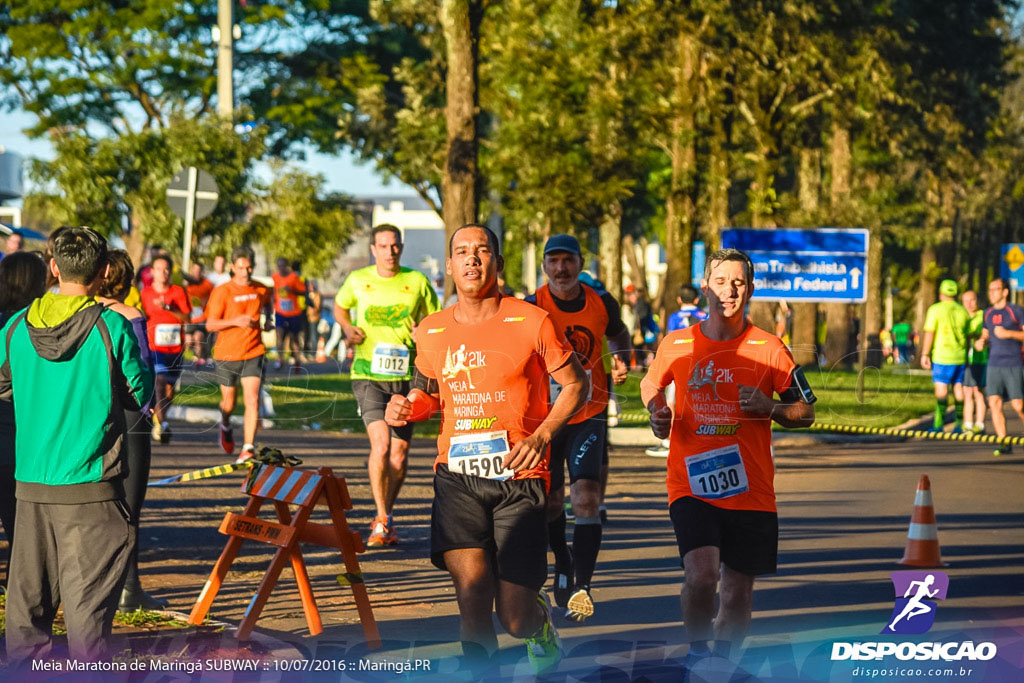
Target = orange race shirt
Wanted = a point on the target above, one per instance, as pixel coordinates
(198, 296)
(162, 328)
(229, 300)
(286, 294)
(493, 376)
(717, 452)
(585, 331)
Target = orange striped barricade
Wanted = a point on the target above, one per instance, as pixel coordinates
(284, 486)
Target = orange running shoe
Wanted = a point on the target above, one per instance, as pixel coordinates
(227, 440)
(381, 533)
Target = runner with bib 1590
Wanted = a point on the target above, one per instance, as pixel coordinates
(486, 362)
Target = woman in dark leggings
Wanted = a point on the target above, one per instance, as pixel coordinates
(112, 294)
(22, 279)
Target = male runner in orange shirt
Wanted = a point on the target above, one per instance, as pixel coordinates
(485, 363)
(720, 469)
(586, 318)
(199, 289)
(234, 313)
(289, 316)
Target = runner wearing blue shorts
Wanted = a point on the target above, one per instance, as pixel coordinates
(944, 351)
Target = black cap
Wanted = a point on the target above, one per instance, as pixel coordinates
(562, 243)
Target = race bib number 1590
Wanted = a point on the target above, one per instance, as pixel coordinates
(480, 455)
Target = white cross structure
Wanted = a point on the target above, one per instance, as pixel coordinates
(192, 195)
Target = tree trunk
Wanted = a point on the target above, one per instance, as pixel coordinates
(718, 187)
(680, 210)
(926, 290)
(610, 247)
(460, 21)
(805, 315)
(837, 315)
(873, 285)
(134, 243)
(638, 274)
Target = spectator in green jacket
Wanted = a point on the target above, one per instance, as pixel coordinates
(73, 367)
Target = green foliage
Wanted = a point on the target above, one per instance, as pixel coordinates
(76, 63)
(102, 182)
(298, 221)
(585, 105)
(147, 619)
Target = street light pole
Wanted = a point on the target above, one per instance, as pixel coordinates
(225, 88)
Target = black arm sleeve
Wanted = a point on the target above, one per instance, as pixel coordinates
(424, 383)
(615, 324)
(799, 389)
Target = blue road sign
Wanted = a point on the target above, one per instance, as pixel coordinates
(1011, 265)
(698, 264)
(814, 265)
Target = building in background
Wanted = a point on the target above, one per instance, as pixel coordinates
(422, 231)
(11, 187)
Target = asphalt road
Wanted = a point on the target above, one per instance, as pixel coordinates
(844, 513)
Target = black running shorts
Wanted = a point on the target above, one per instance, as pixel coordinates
(747, 540)
(975, 375)
(581, 446)
(373, 396)
(507, 518)
(1005, 382)
(228, 372)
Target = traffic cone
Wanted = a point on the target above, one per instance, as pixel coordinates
(923, 536)
(321, 356)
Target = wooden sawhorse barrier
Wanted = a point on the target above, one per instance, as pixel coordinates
(306, 489)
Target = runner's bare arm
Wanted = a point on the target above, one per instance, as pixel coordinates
(926, 350)
(527, 453)
(979, 344)
(661, 415)
(217, 324)
(1003, 333)
(179, 316)
(794, 409)
(621, 347)
(353, 334)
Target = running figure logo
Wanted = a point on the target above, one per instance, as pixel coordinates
(703, 378)
(915, 611)
(461, 361)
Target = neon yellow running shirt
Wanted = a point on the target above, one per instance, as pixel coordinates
(386, 309)
(949, 321)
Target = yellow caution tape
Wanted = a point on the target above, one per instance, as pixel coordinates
(349, 578)
(643, 417)
(314, 392)
(201, 474)
(919, 434)
(264, 456)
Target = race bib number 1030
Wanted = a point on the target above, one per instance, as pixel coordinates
(717, 474)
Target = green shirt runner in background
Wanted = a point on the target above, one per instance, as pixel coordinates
(974, 328)
(386, 308)
(948, 320)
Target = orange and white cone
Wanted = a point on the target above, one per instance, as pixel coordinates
(923, 536)
(320, 348)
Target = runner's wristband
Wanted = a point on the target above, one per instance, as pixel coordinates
(424, 405)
